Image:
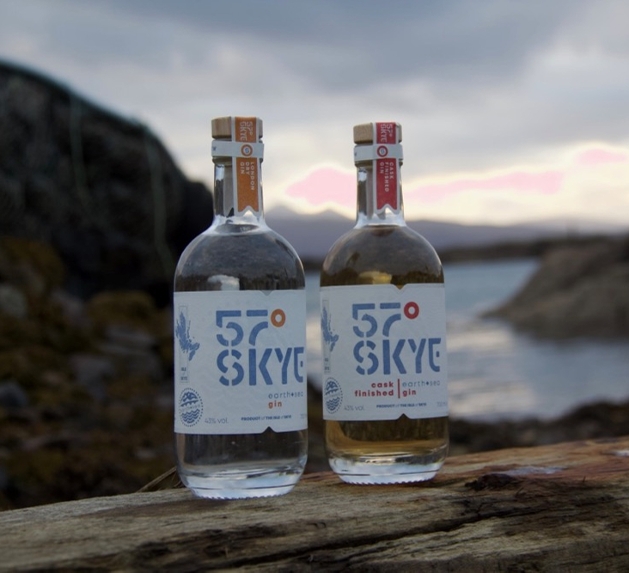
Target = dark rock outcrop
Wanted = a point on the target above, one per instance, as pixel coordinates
(85, 385)
(101, 189)
(577, 291)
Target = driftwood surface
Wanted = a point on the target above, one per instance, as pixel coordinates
(551, 508)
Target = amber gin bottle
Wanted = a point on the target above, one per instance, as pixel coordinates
(240, 329)
(385, 400)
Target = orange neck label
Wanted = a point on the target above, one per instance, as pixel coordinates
(247, 169)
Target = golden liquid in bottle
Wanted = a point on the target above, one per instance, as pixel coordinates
(384, 451)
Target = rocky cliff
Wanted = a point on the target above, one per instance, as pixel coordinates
(99, 188)
(93, 215)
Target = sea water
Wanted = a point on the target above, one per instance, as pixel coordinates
(494, 371)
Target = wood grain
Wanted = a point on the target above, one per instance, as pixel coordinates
(554, 508)
(222, 127)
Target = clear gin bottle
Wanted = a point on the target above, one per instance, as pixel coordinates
(239, 315)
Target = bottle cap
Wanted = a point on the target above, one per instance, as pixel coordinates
(237, 136)
(222, 126)
(364, 133)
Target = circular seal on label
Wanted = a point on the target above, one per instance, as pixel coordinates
(246, 150)
(190, 407)
(278, 317)
(332, 395)
(382, 151)
(411, 310)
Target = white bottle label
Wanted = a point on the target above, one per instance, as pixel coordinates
(240, 362)
(384, 352)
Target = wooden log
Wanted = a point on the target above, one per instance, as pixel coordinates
(554, 508)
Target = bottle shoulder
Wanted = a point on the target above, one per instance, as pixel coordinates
(381, 253)
(254, 258)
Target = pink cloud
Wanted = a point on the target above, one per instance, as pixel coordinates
(326, 185)
(595, 156)
(545, 183)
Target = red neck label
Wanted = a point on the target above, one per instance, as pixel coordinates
(386, 170)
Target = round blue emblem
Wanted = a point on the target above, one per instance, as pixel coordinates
(332, 395)
(190, 407)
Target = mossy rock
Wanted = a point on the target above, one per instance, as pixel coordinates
(131, 388)
(34, 266)
(131, 308)
(33, 474)
(64, 400)
(15, 332)
(57, 332)
(29, 364)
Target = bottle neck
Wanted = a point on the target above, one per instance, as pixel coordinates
(238, 191)
(379, 193)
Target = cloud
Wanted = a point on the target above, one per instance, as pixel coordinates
(337, 46)
(590, 183)
(599, 156)
(570, 190)
(480, 86)
(335, 42)
(544, 182)
(326, 186)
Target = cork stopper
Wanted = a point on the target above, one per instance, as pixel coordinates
(363, 133)
(222, 127)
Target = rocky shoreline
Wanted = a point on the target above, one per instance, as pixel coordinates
(86, 391)
(86, 353)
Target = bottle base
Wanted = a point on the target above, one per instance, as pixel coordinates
(383, 471)
(227, 484)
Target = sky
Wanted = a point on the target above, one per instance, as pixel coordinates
(511, 110)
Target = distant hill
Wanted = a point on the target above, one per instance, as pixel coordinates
(313, 235)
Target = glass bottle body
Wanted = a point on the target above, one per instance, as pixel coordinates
(383, 250)
(239, 253)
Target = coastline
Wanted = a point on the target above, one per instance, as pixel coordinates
(86, 391)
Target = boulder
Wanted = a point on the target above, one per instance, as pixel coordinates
(12, 395)
(578, 291)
